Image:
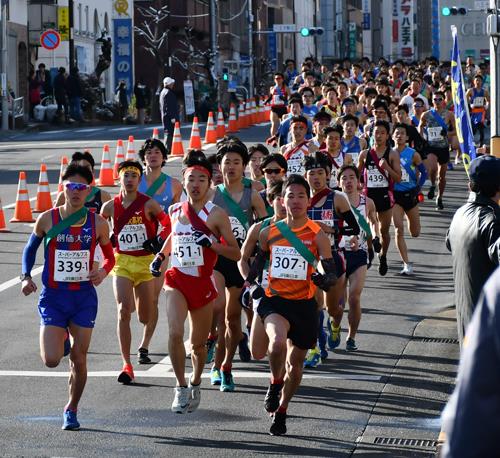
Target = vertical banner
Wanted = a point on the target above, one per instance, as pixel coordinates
(462, 118)
(63, 22)
(367, 34)
(188, 97)
(435, 28)
(395, 30)
(352, 41)
(272, 46)
(122, 52)
(406, 44)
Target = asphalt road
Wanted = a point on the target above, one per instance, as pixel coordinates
(391, 391)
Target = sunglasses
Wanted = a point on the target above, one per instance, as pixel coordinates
(438, 99)
(418, 106)
(70, 186)
(271, 171)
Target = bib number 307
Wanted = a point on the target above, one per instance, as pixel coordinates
(288, 264)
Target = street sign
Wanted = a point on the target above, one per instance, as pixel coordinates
(50, 39)
(188, 97)
(283, 28)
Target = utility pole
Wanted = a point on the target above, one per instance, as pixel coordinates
(250, 50)
(494, 33)
(212, 11)
(5, 105)
(71, 36)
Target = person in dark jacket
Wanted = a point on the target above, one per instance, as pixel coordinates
(474, 238)
(74, 91)
(169, 110)
(471, 419)
(122, 96)
(60, 93)
(142, 99)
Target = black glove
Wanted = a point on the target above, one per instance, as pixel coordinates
(256, 291)
(202, 239)
(154, 244)
(324, 281)
(371, 255)
(155, 266)
(245, 299)
(377, 246)
(112, 239)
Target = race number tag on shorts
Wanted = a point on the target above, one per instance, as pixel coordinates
(185, 252)
(295, 164)
(355, 157)
(288, 264)
(131, 237)
(71, 265)
(434, 133)
(376, 179)
(478, 102)
(239, 232)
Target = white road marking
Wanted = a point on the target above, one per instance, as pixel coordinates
(15, 281)
(6, 207)
(166, 374)
(45, 132)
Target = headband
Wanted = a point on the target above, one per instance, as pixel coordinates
(200, 168)
(130, 168)
(312, 165)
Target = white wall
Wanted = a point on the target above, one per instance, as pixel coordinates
(18, 11)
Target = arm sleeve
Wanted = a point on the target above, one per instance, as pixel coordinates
(109, 257)
(423, 174)
(164, 220)
(352, 224)
(29, 253)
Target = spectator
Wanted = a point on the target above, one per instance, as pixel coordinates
(474, 238)
(142, 99)
(34, 88)
(122, 99)
(43, 77)
(169, 110)
(74, 92)
(60, 93)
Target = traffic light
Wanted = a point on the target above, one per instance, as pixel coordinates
(225, 74)
(453, 11)
(311, 31)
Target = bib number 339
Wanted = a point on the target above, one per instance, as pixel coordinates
(288, 264)
(71, 266)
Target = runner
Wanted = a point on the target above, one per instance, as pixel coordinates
(333, 138)
(321, 120)
(274, 168)
(357, 261)
(288, 308)
(166, 191)
(299, 147)
(329, 209)
(241, 203)
(278, 96)
(68, 301)
(406, 194)
(479, 100)
(134, 216)
(258, 337)
(257, 153)
(197, 225)
(381, 168)
(351, 144)
(437, 124)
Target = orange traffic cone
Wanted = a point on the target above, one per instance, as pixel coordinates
(106, 171)
(195, 140)
(233, 124)
(22, 212)
(155, 133)
(64, 163)
(253, 107)
(241, 116)
(248, 110)
(43, 199)
(268, 112)
(119, 157)
(210, 133)
(3, 226)
(221, 126)
(130, 149)
(177, 147)
(263, 110)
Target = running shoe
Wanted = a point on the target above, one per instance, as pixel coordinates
(323, 352)
(350, 345)
(227, 382)
(382, 266)
(313, 358)
(215, 377)
(450, 166)
(439, 204)
(272, 399)
(244, 351)
(195, 399)
(278, 427)
(432, 192)
(182, 396)
(210, 350)
(70, 422)
(143, 356)
(67, 344)
(333, 336)
(407, 269)
(127, 374)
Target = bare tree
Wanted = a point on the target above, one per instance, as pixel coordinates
(149, 27)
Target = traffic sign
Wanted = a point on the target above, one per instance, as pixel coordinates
(50, 39)
(283, 28)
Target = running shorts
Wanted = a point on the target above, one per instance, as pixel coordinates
(135, 268)
(280, 110)
(355, 260)
(442, 154)
(382, 197)
(230, 272)
(406, 199)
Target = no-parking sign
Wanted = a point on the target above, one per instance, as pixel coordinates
(50, 39)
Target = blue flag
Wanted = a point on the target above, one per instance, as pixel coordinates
(462, 117)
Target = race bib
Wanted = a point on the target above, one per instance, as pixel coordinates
(333, 178)
(434, 133)
(277, 100)
(131, 237)
(239, 231)
(405, 178)
(355, 157)
(265, 278)
(376, 179)
(185, 252)
(288, 264)
(295, 164)
(71, 265)
(478, 102)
